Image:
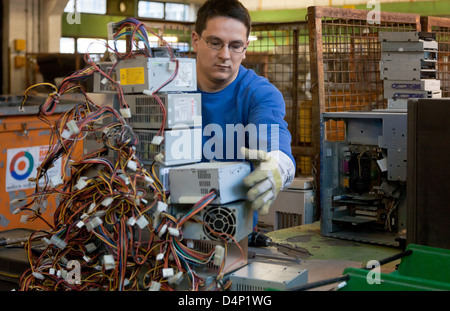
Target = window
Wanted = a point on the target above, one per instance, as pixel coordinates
(176, 11)
(167, 11)
(93, 46)
(87, 6)
(151, 9)
(67, 45)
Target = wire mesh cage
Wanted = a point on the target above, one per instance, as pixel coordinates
(441, 28)
(350, 52)
(280, 52)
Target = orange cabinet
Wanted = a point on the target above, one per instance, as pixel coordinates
(24, 141)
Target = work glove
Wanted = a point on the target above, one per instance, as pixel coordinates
(265, 180)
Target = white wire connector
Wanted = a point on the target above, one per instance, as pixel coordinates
(132, 165)
(61, 244)
(174, 231)
(131, 221)
(66, 134)
(24, 219)
(176, 279)
(62, 274)
(219, 255)
(159, 158)
(108, 262)
(100, 213)
(17, 211)
(125, 178)
(110, 28)
(91, 207)
(90, 247)
(73, 127)
(162, 231)
(15, 201)
(157, 140)
(81, 184)
(149, 180)
(147, 92)
(154, 286)
(55, 181)
(107, 202)
(125, 112)
(168, 272)
(95, 222)
(190, 243)
(161, 207)
(172, 66)
(37, 275)
(160, 257)
(142, 222)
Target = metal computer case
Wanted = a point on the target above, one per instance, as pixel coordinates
(363, 177)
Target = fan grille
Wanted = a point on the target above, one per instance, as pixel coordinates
(220, 223)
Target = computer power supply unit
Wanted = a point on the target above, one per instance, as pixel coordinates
(101, 84)
(190, 183)
(180, 146)
(181, 109)
(363, 177)
(260, 276)
(149, 74)
(223, 222)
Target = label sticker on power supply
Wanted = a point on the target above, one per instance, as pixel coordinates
(185, 108)
(132, 76)
(184, 76)
(22, 164)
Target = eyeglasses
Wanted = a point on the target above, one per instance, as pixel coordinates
(218, 45)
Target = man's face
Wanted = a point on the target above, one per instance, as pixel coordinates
(216, 69)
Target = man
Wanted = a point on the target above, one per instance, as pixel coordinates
(235, 98)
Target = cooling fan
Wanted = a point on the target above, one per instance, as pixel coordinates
(219, 222)
(230, 222)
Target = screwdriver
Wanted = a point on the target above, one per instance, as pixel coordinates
(258, 239)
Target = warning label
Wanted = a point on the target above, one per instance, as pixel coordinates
(132, 76)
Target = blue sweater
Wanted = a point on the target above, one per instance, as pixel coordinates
(254, 104)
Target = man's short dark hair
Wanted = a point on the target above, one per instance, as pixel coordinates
(225, 8)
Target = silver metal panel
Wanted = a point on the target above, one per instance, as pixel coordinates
(149, 74)
(408, 74)
(102, 84)
(365, 131)
(190, 183)
(406, 94)
(180, 146)
(406, 46)
(396, 160)
(416, 85)
(258, 276)
(409, 56)
(182, 109)
(400, 65)
(399, 36)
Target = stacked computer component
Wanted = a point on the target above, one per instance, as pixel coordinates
(206, 199)
(408, 67)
